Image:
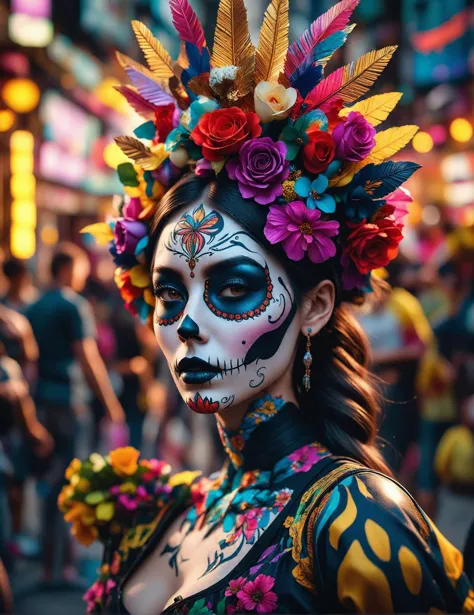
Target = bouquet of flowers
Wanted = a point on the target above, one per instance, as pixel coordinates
(105, 492)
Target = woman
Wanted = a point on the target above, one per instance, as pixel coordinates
(249, 272)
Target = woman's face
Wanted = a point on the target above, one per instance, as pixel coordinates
(225, 317)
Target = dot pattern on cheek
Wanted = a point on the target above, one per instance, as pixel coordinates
(243, 315)
(164, 322)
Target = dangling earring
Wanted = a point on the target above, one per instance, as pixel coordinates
(307, 360)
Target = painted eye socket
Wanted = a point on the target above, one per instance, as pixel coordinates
(233, 290)
(167, 294)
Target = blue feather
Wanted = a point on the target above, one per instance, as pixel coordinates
(199, 62)
(381, 180)
(327, 47)
(306, 77)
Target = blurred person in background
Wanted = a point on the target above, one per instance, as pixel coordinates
(20, 292)
(399, 334)
(64, 328)
(19, 344)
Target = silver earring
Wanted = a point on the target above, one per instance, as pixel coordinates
(307, 360)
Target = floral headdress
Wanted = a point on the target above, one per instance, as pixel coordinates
(290, 137)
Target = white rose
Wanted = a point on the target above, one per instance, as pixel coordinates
(273, 101)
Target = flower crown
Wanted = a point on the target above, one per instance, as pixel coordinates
(290, 137)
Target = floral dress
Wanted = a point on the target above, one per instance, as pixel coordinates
(343, 538)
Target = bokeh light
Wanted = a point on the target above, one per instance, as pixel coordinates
(423, 142)
(461, 130)
(114, 156)
(7, 120)
(21, 95)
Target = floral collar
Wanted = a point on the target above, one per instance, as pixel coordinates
(260, 411)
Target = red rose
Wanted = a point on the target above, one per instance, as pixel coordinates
(373, 245)
(319, 152)
(222, 132)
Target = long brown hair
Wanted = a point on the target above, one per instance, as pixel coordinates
(343, 402)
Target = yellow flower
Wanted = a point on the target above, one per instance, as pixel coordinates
(83, 485)
(105, 511)
(98, 462)
(85, 534)
(288, 522)
(273, 101)
(124, 460)
(268, 408)
(73, 468)
(128, 487)
(183, 478)
(105, 569)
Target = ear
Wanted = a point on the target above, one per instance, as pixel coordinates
(318, 306)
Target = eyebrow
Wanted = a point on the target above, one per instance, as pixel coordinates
(221, 266)
(168, 271)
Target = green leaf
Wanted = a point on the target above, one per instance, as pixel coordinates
(221, 607)
(292, 151)
(127, 174)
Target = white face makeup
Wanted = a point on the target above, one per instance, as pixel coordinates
(225, 310)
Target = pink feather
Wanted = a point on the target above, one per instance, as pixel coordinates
(187, 23)
(332, 21)
(145, 109)
(323, 94)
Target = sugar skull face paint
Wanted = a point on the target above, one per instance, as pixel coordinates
(225, 311)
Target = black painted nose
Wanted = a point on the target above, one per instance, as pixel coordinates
(188, 329)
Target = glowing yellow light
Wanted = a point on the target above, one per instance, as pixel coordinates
(423, 143)
(23, 186)
(49, 235)
(108, 95)
(22, 140)
(21, 162)
(7, 119)
(24, 213)
(22, 241)
(461, 130)
(21, 95)
(114, 156)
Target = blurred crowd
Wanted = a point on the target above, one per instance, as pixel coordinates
(78, 373)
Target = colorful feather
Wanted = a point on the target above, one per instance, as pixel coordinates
(332, 21)
(141, 106)
(140, 153)
(198, 62)
(273, 42)
(187, 23)
(159, 60)
(381, 180)
(389, 142)
(311, 70)
(232, 44)
(375, 109)
(352, 81)
(148, 88)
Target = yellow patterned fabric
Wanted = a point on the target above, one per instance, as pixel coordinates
(366, 547)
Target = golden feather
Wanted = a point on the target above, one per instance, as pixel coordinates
(387, 144)
(159, 60)
(140, 153)
(375, 109)
(125, 61)
(232, 44)
(273, 42)
(183, 60)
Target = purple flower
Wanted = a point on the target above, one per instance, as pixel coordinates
(351, 277)
(127, 234)
(127, 502)
(354, 139)
(203, 168)
(260, 169)
(301, 230)
(132, 209)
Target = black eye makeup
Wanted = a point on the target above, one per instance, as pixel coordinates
(171, 298)
(238, 289)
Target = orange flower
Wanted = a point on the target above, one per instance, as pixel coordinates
(73, 468)
(80, 512)
(124, 460)
(66, 494)
(85, 534)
